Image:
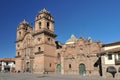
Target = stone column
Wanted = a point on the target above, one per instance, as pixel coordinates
(103, 67)
(62, 65)
(3, 66)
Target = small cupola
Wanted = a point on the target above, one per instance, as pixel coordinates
(22, 29)
(44, 13)
(23, 25)
(72, 40)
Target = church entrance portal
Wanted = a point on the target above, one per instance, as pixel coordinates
(28, 67)
(82, 69)
(58, 68)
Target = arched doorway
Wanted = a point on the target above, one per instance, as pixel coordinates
(58, 68)
(111, 70)
(28, 67)
(82, 69)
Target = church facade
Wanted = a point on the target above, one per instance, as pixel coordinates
(35, 47)
(38, 52)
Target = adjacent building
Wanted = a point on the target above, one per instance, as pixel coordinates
(110, 60)
(7, 64)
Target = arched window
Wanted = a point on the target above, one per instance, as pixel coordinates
(111, 69)
(70, 66)
(39, 39)
(18, 53)
(18, 45)
(26, 28)
(50, 64)
(58, 55)
(48, 39)
(48, 25)
(40, 17)
(20, 33)
(40, 24)
(39, 49)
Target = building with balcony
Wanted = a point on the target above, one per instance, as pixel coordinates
(110, 60)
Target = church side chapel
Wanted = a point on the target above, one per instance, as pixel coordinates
(79, 57)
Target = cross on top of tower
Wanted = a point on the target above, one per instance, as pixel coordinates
(44, 10)
(24, 22)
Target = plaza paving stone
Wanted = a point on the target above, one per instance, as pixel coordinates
(30, 76)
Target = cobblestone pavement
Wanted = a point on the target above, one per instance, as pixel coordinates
(29, 76)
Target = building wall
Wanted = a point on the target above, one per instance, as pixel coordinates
(80, 52)
(107, 61)
(114, 50)
(18, 63)
(50, 58)
(7, 66)
(106, 74)
(111, 47)
(38, 65)
(35, 48)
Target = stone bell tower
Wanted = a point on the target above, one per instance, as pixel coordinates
(23, 32)
(44, 42)
(44, 20)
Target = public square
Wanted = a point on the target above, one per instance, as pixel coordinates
(30, 76)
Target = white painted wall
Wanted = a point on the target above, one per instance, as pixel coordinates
(69, 42)
(117, 56)
(113, 57)
(11, 64)
(3, 64)
(109, 61)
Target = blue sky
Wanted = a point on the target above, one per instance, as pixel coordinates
(98, 19)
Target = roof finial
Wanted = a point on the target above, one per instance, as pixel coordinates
(73, 36)
(44, 10)
(90, 39)
(24, 21)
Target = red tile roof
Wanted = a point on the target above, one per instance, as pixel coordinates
(7, 59)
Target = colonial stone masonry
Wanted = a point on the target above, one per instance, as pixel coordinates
(38, 52)
(35, 47)
(78, 56)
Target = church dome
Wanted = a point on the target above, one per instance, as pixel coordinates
(72, 39)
